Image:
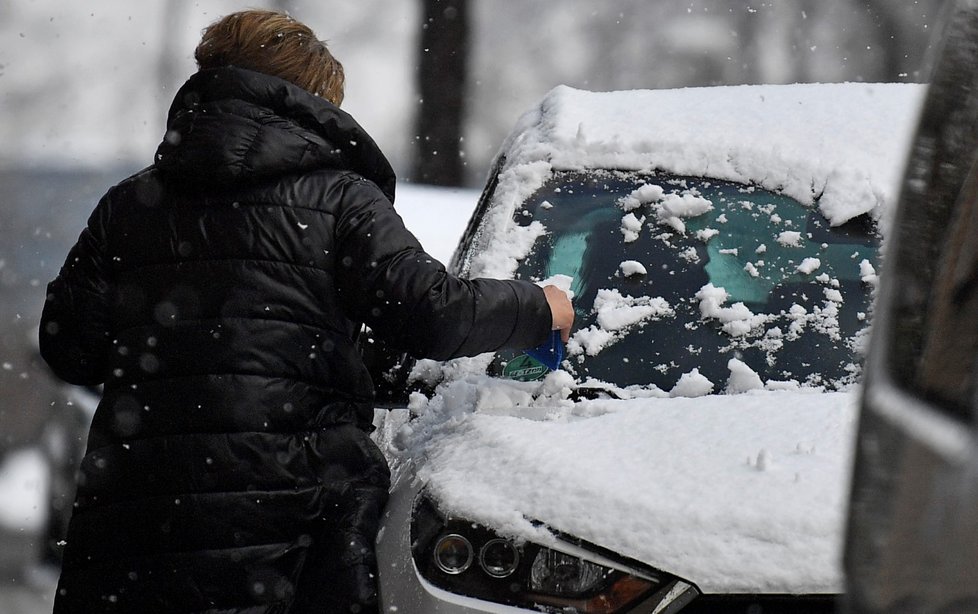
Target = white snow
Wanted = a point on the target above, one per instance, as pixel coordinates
(742, 378)
(846, 141)
(706, 234)
(737, 320)
(833, 295)
(590, 341)
(674, 207)
(648, 193)
(843, 143)
(23, 490)
(499, 258)
(789, 238)
(616, 314)
(692, 385)
(670, 209)
(436, 216)
(809, 265)
(632, 267)
(631, 226)
(867, 273)
(616, 311)
(736, 493)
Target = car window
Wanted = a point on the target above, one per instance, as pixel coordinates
(673, 274)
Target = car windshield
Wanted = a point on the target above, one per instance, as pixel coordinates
(675, 276)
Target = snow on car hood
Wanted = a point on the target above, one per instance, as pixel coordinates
(843, 145)
(736, 493)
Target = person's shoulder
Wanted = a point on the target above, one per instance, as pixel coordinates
(354, 180)
(148, 174)
(142, 187)
(353, 186)
(145, 183)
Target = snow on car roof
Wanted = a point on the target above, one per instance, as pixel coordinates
(845, 142)
(843, 145)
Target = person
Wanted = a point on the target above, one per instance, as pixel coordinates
(217, 296)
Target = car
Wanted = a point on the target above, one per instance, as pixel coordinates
(912, 535)
(690, 450)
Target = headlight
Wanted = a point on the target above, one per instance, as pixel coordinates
(562, 574)
(453, 554)
(499, 558)
(468, 559)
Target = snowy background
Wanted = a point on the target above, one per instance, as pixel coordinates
(88, 83)
(84, 88)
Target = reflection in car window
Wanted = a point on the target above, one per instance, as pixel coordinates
(675, 274)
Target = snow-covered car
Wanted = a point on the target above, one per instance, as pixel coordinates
(692, 449)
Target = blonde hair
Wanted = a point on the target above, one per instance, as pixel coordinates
(275, 44)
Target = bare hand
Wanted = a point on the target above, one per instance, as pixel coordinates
(561, 311)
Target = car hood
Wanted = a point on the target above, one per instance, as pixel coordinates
(736, 493)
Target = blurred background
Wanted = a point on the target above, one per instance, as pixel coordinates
(84, 89)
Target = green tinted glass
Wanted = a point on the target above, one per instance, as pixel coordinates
(672, 274)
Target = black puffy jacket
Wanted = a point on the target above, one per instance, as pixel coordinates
(218, 295)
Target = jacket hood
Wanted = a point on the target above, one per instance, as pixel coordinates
(236, 125)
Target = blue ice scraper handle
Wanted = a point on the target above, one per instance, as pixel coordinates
(550, 353)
